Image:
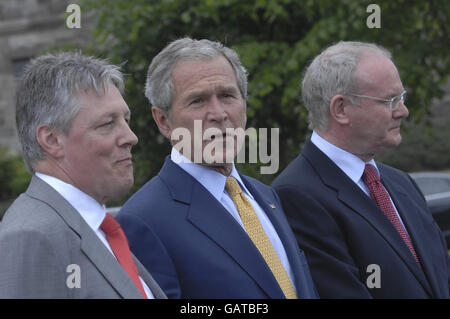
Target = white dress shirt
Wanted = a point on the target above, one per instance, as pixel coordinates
(89, 209)
(350, 164)
(214, 182)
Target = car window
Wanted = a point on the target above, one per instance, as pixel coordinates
(433, 185)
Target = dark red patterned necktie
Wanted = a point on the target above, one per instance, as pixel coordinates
(119, 246)
(381, 197)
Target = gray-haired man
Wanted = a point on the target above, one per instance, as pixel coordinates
(56, 240)
(364, 226)
(195, 209)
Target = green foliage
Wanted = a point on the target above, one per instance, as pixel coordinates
(14, 178)
(276, 40)
(425, 145)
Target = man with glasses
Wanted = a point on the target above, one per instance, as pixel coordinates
(364, 226)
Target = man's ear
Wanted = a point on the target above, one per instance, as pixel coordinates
(339, 108)
(50, 140)
(162, 120)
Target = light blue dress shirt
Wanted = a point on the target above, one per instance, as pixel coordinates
(214, 182)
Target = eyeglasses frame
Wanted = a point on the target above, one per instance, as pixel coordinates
(400, 97)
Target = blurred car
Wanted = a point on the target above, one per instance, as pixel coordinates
(436, 189)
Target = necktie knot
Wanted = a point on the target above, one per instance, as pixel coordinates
(109, 224)
(232, 186)
(370, 174)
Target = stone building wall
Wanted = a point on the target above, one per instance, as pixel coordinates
(27, 29)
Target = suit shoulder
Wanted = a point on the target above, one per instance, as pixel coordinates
(298, 173)
(24, 228)
(394, 173)
(29, 213)
(149, 192)
(153, 198)
(386, 169)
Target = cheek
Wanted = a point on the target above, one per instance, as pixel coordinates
(238, 116)
(93, 152)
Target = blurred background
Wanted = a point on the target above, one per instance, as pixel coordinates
(276, 40)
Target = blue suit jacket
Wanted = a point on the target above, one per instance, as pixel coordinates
(195, 249)
(342, 232)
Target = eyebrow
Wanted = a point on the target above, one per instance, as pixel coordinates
(116, 114)
(218, 88)
(392, 95)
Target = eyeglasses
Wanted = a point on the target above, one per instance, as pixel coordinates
(392, 103)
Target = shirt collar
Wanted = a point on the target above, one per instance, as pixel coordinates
(350, 164)
(212, 180)
(91, 210)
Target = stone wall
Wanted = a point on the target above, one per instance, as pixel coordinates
(28, 28)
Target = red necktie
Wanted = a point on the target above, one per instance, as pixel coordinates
(119, 246)
(381, 197)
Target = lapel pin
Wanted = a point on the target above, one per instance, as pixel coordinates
(272, 206)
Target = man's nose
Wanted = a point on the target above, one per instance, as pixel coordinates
(216, 110)
(401, 111)
(128, 137)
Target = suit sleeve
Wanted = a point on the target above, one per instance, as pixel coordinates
(333, 269)
(30, 267)
(151, 252)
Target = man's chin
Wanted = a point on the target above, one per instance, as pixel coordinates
(219, 159)
(216, 164)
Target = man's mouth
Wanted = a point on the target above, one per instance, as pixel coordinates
(218, 137)
(125, 160)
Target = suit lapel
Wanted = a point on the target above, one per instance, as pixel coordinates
(211, 218)
(275, 214)
(353, 197)
(149, 280)
(91, 245)
(411, 219)
(107, 264)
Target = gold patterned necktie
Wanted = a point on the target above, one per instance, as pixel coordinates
(257, 234)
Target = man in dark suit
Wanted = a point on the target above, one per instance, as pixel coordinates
(363, 237)
(56, 239)
(225, 234)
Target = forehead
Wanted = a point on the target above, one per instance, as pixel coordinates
(191, 75)
(93, 104)
(377, 74)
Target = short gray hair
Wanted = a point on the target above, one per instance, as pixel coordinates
(47, 95)
(333, 72)
(159, 88)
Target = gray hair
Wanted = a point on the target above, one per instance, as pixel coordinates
(159, 88)
(333, 72)
(47, 95)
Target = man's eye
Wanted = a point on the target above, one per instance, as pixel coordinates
(196, 101)
(109, 123)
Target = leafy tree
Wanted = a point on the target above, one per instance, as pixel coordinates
(276, 40)
(14, 178)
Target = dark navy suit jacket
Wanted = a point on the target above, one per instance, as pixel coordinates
(195, 248)
(342, 232)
